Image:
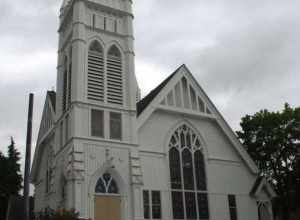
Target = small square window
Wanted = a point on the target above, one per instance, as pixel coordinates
(115, 122)
(97, 125)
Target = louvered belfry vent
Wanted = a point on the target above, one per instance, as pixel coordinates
(114, 76)
(95, 72)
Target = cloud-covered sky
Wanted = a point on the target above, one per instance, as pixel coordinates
(245, 54)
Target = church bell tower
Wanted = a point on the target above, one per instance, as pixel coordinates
(96, 55)
(96, 102)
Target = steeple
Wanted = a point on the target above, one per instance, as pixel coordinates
(96, 63)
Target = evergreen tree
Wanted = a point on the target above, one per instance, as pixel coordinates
(10, 177)
(14, 176)
(272, 139)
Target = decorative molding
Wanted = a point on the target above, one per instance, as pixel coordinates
(183, 111)
(224, 161)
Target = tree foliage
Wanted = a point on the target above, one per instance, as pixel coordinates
(61, 214)
(10, 176)
(273, 141)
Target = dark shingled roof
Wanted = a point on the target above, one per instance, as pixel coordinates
(142, 104)
(52, 96)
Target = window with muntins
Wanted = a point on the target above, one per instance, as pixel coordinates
(97, 123)
(114, 76)
(146, 201)
(152, 204)
(95, 81)
(187, 175)
(115, 124)
(232, 207)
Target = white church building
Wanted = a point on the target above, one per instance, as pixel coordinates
(111, 156)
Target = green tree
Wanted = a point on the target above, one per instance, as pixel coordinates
(272, 139)
(10, 177)
(14, 177)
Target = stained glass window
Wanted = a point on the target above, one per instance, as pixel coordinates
(200, 170)
(187, 175)
(177, 203)
(106, 184)
(175, 168)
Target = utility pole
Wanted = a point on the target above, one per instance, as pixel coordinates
(28, 158)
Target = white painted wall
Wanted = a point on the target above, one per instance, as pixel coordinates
(226, 172)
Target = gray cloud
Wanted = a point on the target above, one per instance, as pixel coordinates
(244, 53)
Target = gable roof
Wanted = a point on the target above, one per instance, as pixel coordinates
(260, 184)
(142, 104)
(48, 115)
(45, 130)
(52, 96)
(152, 103)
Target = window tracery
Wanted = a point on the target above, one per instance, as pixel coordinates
(187, 175)
(106, 185)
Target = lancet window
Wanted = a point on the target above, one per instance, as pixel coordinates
(187, 175)
(95, 84)
(114, 76)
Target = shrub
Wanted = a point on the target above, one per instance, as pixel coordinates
(60, 214)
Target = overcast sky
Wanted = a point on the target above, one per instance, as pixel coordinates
(244, 53)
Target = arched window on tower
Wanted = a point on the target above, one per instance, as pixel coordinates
(114, 76)
(106, 185)
(95, 83)
(187, 175)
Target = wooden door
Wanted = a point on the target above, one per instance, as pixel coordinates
(107, 208)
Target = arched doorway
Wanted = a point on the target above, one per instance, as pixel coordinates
(107, 199)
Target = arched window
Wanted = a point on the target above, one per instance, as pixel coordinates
(96, 47)
(187, 175)
(95, 83)
(114, 76)
(106, 185)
